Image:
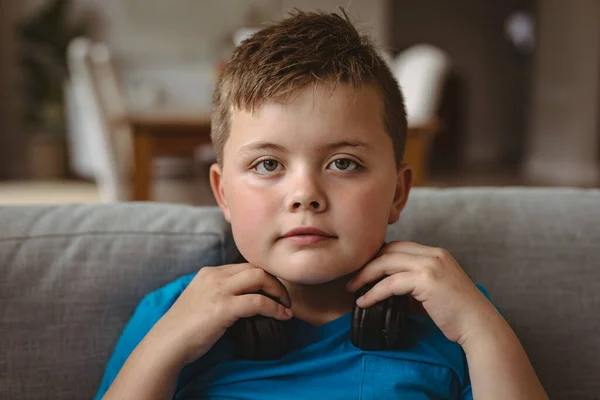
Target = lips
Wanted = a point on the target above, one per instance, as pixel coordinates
(307, 235)
(307, 231)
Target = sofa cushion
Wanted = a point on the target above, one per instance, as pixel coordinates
(71, 276)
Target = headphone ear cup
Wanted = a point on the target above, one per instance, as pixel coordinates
(245, 338)
(365, 332)
(371, 327)
(380, 327)
(395, 321)
(357, 316)
(271, 338)
(357, 319)
(259, 338)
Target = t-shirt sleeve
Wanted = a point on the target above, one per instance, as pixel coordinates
(152, 307)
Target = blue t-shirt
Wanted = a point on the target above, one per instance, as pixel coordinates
(321, 362)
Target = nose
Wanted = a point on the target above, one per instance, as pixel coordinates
(306, 194)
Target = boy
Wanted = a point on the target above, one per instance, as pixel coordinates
(309, 128)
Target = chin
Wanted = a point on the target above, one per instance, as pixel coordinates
(307, 278)
(310, 273)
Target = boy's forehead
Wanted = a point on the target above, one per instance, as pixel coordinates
(312, 122)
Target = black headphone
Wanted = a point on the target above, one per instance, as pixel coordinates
(380, 327)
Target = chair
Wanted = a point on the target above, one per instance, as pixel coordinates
(112, 101)
(421, 71)
(94, 125)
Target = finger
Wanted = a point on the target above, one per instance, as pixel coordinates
(411, 248)
(386, 264)
(248, 305)
(395, 285)
(256, 279)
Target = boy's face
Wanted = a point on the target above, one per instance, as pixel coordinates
(322, 160)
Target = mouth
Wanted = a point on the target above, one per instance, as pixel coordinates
(307, 235)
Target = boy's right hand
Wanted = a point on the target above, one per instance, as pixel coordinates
(212, 302)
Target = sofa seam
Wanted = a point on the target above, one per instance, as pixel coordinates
(92, 233)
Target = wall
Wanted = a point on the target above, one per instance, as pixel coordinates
(494, 77)
(12, 146)
(198, 30)
(563, 144)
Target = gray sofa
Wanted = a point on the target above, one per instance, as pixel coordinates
(70, 277)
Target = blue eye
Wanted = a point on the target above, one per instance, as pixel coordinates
(344, 164)
(267, 166)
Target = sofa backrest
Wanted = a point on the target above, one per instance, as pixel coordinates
(537, 251)
(71, 276)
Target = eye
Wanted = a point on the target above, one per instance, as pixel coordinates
(264, 167)
(344, 164)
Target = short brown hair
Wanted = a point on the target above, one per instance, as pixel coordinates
(305, 48)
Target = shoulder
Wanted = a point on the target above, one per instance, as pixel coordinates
(150, 309)
(165, 296)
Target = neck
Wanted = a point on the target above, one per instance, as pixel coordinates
(322, 303)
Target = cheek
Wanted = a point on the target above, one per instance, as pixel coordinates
(367, 211)
(252, 211)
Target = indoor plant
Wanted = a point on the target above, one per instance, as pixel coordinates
(42, 39)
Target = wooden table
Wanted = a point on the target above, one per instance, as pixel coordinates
(180, 133)
(416, 151)
(160, 134)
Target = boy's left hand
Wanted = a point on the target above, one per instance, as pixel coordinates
(433, 277)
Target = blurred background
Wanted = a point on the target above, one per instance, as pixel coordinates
(108, 100)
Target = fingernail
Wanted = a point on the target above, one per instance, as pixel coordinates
(289, 312)
(360, 300)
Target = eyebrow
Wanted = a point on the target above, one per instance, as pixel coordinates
(264, 145)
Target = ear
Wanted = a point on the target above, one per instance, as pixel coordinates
(403, 185)
(216, 183)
